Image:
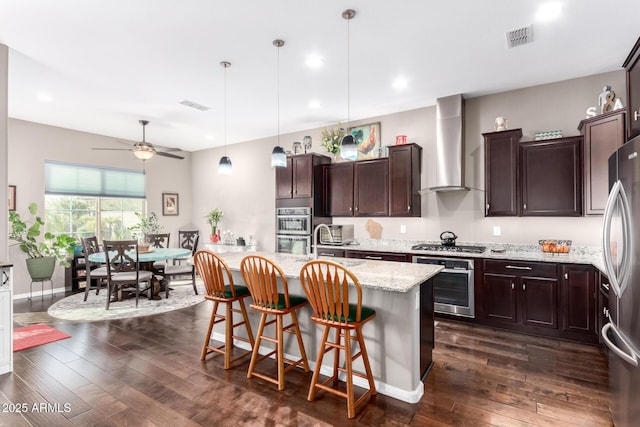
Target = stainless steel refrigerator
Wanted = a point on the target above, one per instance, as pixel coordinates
(621, 249)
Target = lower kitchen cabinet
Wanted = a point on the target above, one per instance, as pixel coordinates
(331, 252)
(578, 299)
(519, 294)
(378, 256)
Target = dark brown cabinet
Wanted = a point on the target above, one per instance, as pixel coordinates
(332, 252)
(578, 299)
(632, 68)
(501, 150)
(520, 295)
(378, 256)
(337, 179)
(75, 276)
(551, 177)
(371, 188)
(356, 188)
(404, 180)
(297, 179)
(603, 135)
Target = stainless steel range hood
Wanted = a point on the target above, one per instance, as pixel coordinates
(449, 144)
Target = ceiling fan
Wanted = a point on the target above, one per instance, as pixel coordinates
(145, 150)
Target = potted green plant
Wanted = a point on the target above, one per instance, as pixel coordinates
(42, 250)
(213, 218)
(146, 225)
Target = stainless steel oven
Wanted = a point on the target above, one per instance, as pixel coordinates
(293, 244)
(293, 221)
(453, 289)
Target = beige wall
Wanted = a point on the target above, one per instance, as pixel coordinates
(30, 144)
(4, 73)
(248, 197)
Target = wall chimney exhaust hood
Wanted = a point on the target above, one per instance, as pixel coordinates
(449, 144)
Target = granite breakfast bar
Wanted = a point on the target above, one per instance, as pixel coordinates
(399, 340)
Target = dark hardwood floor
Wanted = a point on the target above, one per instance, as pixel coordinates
(146, 371)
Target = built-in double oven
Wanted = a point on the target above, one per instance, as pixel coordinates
(293, 230)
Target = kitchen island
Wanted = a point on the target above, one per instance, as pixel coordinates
(399, 340)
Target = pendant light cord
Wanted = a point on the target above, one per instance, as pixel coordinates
(348, 72)
(278, 87)
(225, 109)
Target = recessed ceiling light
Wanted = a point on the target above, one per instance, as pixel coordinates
(400, 83)
(314, 103)
(44, 98)
(314, 61)
(548, 12)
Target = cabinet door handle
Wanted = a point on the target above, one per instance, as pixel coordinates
(513, 286)
(566, 276)
(327, 254)
(636, 115)
(606, 286)
(524, 206)
(356, 209)
(517, 267)
(373, 257)
(409, 208)
(524, 286)
(350, 208)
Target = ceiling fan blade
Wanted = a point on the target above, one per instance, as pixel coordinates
(160, 147)
(113, 149)
(173, 156)
(124, 142)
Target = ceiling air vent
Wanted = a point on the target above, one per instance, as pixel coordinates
(519, 37)
(195, 105)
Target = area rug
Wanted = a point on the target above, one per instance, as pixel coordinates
(35, 335)
(93, 309)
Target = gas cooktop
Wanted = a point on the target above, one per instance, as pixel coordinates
(442, 248)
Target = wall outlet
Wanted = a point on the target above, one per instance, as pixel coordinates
(496, 230)
(403, 229)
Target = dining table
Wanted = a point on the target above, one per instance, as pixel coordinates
(146, 261)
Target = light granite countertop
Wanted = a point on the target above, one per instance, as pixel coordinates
(382, 275)
(578, 255)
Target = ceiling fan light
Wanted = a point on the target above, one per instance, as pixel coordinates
(349, 148)
(278, 157)
(143, 153)
(224, 166)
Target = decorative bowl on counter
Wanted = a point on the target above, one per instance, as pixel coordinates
(555, 246)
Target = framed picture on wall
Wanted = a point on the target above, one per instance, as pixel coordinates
(170, 204)
(12, 197)
(368, 139)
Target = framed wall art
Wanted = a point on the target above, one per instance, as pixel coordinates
(368, 139)
(12, 198)
(170, 204)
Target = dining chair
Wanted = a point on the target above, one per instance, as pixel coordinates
(327, 285)
(94, 272)
(172, 271)
(261, 275)
(187, 239)
(123, 268)
(158, 240)
(220, 289)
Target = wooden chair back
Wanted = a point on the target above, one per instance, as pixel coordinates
(188, 239)
(261, 276)
(158, 240)
(121, 256)
(90, 246)
(326, 284)
(214, 272)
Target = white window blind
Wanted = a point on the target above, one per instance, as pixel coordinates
(82, 180)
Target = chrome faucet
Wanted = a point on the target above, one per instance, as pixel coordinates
(315, 238)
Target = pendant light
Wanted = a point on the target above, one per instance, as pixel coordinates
(224, 166)
(349, 146)
(278, 156)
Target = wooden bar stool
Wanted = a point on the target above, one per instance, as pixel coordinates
(326, 284)
(261, 276)
(212, 269)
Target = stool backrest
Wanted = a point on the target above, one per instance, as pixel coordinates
(261, 276)
(326, 284)
(212, 270)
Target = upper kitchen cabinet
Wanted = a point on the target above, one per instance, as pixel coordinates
(300, 180)
(356, 188)
(632, 67)
(551, 173)
(404, 180)
(371, 188)
(501, 150)
(603, 135)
